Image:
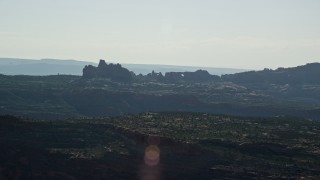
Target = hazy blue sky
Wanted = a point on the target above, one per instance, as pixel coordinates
(217, 33)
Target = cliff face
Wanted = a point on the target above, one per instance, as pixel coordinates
(112, 71)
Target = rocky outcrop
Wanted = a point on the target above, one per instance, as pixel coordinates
(118, 73)
(112, 71)
(197, 76)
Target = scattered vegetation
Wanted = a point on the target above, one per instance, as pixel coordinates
(191, 144)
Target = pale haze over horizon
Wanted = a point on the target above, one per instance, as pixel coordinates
(250, 34)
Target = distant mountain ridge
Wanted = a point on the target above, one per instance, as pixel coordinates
(284, 91)
(304, 74)
(309, 73)
(13, 66)
(10, 66)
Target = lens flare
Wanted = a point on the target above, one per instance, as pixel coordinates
(150, 169)
(152, 155)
